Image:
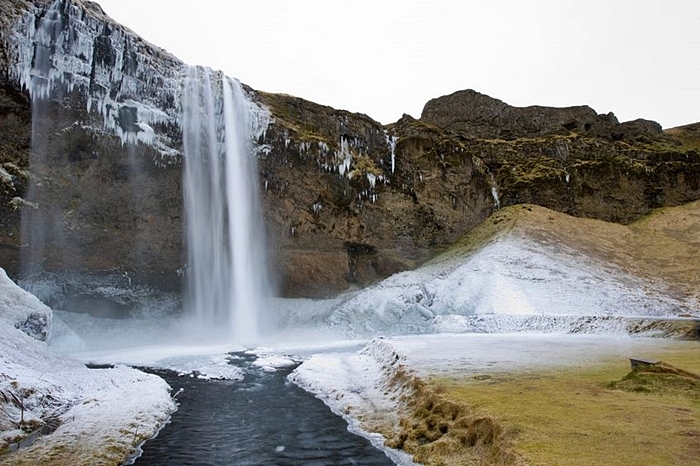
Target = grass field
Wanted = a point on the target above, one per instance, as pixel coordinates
(578, 416)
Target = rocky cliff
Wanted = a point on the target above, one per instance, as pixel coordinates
(90, 148)
(346, 200)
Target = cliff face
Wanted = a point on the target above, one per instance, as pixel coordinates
(92, 157)
(572, 160)
(96, 169)
(474, 114)
(349, 201)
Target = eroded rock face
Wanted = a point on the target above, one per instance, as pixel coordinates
(346, 201)
(15, 140)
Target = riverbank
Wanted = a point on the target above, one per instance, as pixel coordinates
(430, 395)
(94, 416)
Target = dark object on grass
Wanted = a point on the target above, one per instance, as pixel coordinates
(636, 362)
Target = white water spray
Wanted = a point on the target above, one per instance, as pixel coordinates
(227, 273)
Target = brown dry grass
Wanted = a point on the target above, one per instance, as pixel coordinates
(440, 431)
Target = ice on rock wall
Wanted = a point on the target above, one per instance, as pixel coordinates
(391, 142)
(130, 85)
(494, 192)
(23, 310)
(344, 156)
(372, 179)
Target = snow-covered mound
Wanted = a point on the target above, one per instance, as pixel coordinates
(358, 386)
(23, 310)
(511, 284)
(85, 416)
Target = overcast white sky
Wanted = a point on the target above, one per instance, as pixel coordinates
(636, 58)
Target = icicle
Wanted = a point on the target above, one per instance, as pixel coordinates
(372, 178)
(494, 192)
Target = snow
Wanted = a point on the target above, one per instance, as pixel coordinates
(23, 310)
(273, 362)
(99, 410)
(355, 386)
(195, 360)
(511, 284)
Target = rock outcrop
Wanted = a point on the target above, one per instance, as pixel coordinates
(346, 200)
(471, 113)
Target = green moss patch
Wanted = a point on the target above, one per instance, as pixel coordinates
(660, 379)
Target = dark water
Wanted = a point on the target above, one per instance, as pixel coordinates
(263, 420)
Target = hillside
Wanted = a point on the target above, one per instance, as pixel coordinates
(529, 268)
(662, 248)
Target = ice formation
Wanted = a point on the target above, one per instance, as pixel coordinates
(344, 156)
(391, 141)
(512, 284)
(127, 83)
(23, 311)
(494, 192)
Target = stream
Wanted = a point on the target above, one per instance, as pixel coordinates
(261, 420)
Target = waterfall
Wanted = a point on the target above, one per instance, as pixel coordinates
(43, 226)
(226, 262)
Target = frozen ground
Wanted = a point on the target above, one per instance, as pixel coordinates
(359, 384)
(99, 416)
(512, 284)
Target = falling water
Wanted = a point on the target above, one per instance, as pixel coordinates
(42, 226)
(226, 265)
